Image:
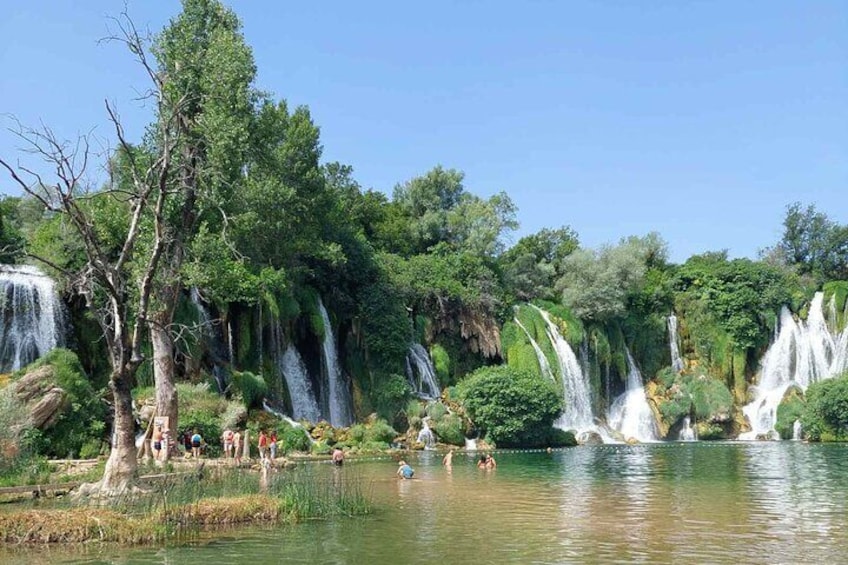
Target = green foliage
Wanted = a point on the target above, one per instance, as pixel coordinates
(533, 264)
(371, 435)
(561, 438)
(814, 243)
(825, 417)
(596, 284)
(513, 408)
(836, 292)
(291, 438)
(80, 427)
(449, 429)
(790, 409)
(390, 395)
(253, 388)
(701, 396)
(441, 362)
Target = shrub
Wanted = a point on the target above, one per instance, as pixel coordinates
(290, 438)
(561, 438)
(253, 388)
(825, 417)
(449, 429)
(82, 422)
(514, 408)
(391, 395)
(791, 409)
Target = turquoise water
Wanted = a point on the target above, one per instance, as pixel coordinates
(780, 502)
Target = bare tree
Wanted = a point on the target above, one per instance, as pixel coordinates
(118, 294)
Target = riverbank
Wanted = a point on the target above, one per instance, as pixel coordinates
(178, 505)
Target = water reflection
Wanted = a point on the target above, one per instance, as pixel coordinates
(665, 503)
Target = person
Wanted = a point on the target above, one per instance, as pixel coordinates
(227, 439)
(237, 446)
(272, 445)
(156, 442)
(481, 464)
(263, 444)
(447, 461)
(338, 457)
(196, 442)
(404, 471)
(490, 462)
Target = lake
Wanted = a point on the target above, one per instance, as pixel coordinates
(777, 502)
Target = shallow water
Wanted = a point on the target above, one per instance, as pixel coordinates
(782, 502)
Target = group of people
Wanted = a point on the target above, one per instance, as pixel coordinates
(486, 462)
(267, 444)
(232, 441)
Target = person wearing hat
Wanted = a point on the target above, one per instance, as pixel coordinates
(404, 471)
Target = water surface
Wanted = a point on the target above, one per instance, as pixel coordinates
(776, 502)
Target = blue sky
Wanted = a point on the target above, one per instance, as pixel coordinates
(698, 120)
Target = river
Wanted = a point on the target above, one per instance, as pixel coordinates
(777, 502)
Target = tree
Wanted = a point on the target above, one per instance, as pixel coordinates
(597, 284)
(532, 265)
(814, 243)
(118, 294)
(206, 71)
(513, 408)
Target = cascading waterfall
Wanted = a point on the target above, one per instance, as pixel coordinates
(802, 353)
(31, 316)
(797, 428)
(577, 400)
(630, 413)
(341, 412)
(676, 361)
(297, 425)
(293, 369)
(426, 435)
(687, 432)
(211, 333)
(421, 374)
(544, 366)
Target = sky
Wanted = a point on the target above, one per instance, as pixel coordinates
(698, 120)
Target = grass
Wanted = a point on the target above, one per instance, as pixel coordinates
(178, 507)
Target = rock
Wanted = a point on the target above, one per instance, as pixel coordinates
(44, 401)
(590, 438)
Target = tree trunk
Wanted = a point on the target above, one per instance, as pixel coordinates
(163, 375)
(122, 466)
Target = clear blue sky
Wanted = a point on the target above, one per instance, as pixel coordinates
(699, 120)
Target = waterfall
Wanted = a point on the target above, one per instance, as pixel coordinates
(291, 366)
(421, 373)
(577, 401)
(426, 435)
(210, 332)
(295, 424)
(796, 430)
(676, 361)
(802, 353)
(544, 366)
(687, 433)
(341, 413)
(630, 413)
(31, 316)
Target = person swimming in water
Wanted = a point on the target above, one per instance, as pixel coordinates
(404, 471)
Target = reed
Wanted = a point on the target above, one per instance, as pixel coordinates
(179, 507)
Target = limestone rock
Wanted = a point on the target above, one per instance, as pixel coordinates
(43, 399)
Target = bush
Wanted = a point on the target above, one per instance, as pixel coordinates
(253, 388)
(391, 395)
(81, 425)
(290, 438)
(561, 438)
(514, 408)
(449, 429)
(825, 417)
(791, 409)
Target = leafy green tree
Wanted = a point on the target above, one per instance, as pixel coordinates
(814, 243)
(597, 284)
(441, 211)
(207, 72)
(532, 265)
(512, 407)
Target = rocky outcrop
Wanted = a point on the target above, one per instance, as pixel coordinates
(44, 400)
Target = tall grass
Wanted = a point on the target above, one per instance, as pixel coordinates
(177, 507)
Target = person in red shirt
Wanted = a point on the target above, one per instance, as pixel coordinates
(263, 444)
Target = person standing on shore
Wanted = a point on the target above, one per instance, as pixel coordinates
(262, 443)
(237, 446)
